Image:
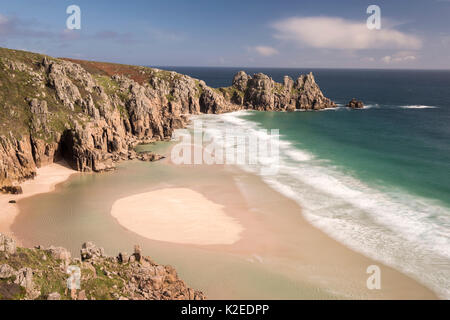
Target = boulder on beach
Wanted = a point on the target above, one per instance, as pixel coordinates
(12, 190)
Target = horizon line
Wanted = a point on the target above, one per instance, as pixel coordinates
(328, 68)
(236, 67)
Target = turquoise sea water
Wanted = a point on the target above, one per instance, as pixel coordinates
(376, 179)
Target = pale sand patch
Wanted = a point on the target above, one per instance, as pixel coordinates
(45, 181)
(177, 215)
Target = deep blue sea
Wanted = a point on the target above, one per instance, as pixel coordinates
(376, 179)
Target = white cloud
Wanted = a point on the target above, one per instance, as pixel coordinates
(265, 51)
(386, 59)
(338, 33)
(399, 57)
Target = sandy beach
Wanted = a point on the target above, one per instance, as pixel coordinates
(177, 215)
(45, 181)
(260, 245)
(249, 219)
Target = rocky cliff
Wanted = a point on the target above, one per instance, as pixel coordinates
(43, 273)
(93, 114)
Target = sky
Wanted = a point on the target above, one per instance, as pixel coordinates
(414, 34)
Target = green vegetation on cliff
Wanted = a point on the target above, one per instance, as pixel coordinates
(43, 273)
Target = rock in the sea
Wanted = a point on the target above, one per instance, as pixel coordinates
(355, 104)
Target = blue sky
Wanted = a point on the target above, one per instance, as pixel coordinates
(302, 33)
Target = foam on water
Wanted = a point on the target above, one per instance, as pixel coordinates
(370, 106)
(418, 107)
(405, 232)
(339, 107)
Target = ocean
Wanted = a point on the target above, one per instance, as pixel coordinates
(377, 179)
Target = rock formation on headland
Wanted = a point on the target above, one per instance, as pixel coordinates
(42, 273)
(260, 92)
(94, 114)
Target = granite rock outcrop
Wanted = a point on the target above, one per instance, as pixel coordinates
(94, 114)
(43, 273)
(355, 104)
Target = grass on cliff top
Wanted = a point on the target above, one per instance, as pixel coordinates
(169, 76)
(29, 58)
(18, 87)
(107, 83)
(48, 280)
(139, 74)
(50, 277)
(15, 87)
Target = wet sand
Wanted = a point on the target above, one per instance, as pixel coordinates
(45, 181)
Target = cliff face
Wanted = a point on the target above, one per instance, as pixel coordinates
(93, 114)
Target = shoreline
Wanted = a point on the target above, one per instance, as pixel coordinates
(282, 244)
(318, 255)
(46, 180)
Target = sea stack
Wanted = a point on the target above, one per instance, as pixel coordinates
(355, 104)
